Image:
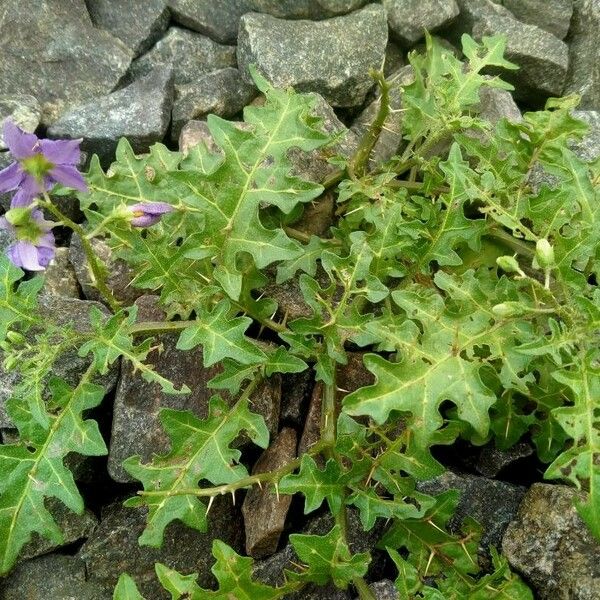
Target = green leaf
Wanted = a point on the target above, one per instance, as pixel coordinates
(200, 449)
(328, 558)
(126, 589)
(33, 469)
(221, 336)
(316, 485)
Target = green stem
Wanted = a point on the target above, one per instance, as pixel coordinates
(95, 267)
(328, 417)
(519, 246)
(359, 163)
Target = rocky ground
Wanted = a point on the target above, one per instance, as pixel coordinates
(152, 70)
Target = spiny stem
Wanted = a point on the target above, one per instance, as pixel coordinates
(95, 267)
(359, 163)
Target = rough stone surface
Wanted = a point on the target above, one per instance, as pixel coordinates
(140, 112)
(23, 110)
(223, 93)
(54, 577)
(543, 59)
(305, 9)
(296, 389)
(69, 366)
(318, 216)
(496, 104)
(60, 278)
(584, 67)
(120, 275)
(217, 19)
(552, 15)
(113, 547)
(409, 19)
(312, 426)
(264, 512)
(137, 23)
(53, 52)
(589, 147)
(550, 545)
(493, 504)
(194, 132)
(188, 53)
(331, 57)
(491, 460)
(384, 590)
(136, 428)
(472, 11)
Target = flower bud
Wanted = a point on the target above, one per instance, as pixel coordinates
(508, 264)
(15, 337)
(18, 216)
(544, 254)
(508, 309)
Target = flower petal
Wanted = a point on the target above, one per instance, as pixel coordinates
(61, 152)
(20, 144)
(45, 255)
(145, 220)
(25, 255)
(11, 177)
(5, 225)
(152, 208)
(26, 194)
(69, 176)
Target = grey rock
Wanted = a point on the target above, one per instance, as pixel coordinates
(137, 23)
(140, 112)
(588, 148)
(409, 19)
(391, 136)
(331, 57)
(217, 19)
(74, 527)
(551, 547)
(552, 15)
(60, 278)
(67, 61)
(64, 312)
(394, 59)
(583, 77)
(136, 427)
(223, 93)
(384, 590)
(188, 53)
(493, 504)
(23, 110)
(113, 547)
(318, 216)
(305, 9)
(194, 133)
(491, 460)
(472, 11)
(543, 59)
(55, 577)
(496, 104)
(311, 433)
(263, 510)
(296, 390)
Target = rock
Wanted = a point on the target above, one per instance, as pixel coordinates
(218, 20)
(264, 511)
(394, 59)
(496, 104)
(136, 428)
(491, 460)
(140, 112)
(113, 547)
(296, 390)
(409, 19)
(74, 527)
(588, 148)
(23, 110)
(305, 9)
(189, 54)
(331, 57)
(583, 77)
(60, 278)
(493, 504)
(472, 11)
(542, 58)
(551, 546)
(119, 278)
(223, 93)
(64, 312)
(311, 433)
(194, 132)
(384, 590)
(391, 136)
(67, 61)
(55, 577)
(137, 23)
(552, 15)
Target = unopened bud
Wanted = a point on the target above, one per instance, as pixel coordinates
(508, 309)
(15, 337)
(544, 254)
(509, 264)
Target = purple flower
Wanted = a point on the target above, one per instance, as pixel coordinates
(146, 214)
(40, 164)
(33, 248)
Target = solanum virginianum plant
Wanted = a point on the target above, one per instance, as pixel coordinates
(472, 289)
